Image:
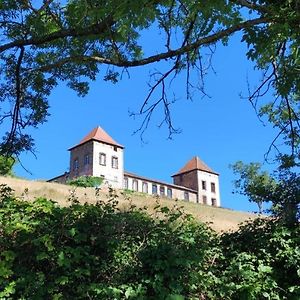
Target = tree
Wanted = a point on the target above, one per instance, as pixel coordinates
(44, 44)
(281, 189)
(253, 183)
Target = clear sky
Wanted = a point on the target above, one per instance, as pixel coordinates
(220, 130)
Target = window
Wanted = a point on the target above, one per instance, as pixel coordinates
(145, 187)
(134, 185)
(154, 189)
(102, 159)
(186, 196)
(115, 148)
(203, 185)
(86, 159)
(204, 199)
(75, 164)
(114, 162)
(126, 183)
(162, 190)
(213, 187)
(169, 193)
(180, 178)
(213, 202)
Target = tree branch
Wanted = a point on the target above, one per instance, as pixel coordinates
(158, 57)
(73, 32)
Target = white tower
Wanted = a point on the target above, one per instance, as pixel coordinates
(97, 154)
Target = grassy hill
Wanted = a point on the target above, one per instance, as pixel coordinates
(220, 219)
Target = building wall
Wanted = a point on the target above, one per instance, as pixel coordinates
(188, 180)
(138, 185)
(113, 176)
(60, 179)
(210, 195)
(81, 167)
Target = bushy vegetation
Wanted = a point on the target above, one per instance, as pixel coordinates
(86, 181)
(6, 165)
(100, 252)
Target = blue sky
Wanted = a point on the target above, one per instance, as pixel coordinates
(220, 130)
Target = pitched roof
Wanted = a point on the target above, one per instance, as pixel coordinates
(99, 135)
(195, 164)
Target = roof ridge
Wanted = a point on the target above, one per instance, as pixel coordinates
(100, 135)
(195, 164)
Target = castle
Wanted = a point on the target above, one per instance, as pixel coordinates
(98, 154)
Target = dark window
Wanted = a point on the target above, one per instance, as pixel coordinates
(145, 187)
(134, 184)
(203, 185)
(115, 148)
(75, 164)
(169, 193)
(114, 162)
(86, 159)
(154, 189)
(126, 183)
(102, 159)
(213, 187)
(186, 196)
(162, 190)
(204, 199)
(213, 202)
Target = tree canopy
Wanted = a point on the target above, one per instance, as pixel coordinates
(46, 42)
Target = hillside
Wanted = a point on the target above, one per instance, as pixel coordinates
(220, 219)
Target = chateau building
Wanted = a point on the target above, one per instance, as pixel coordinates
(98, 154)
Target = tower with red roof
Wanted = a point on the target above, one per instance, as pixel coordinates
(98, 154)
(198, 176)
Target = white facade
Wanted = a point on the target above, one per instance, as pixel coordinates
(208, 188)
(108, 162)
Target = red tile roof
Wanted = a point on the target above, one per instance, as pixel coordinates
(98, 134)
(195, 164)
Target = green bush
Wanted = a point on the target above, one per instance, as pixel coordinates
(261, 261)
(86, 181)
(99, 252)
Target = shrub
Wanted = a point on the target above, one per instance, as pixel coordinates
(98, 252)
(86, 181)
(261, 261)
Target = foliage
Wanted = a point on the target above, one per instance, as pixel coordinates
(86, 181)
(43, 43)
(261, 261)
(99, 252)
(253, 183)
(282, 189)
(6, 165)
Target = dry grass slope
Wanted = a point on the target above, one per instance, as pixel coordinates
(220, 219)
